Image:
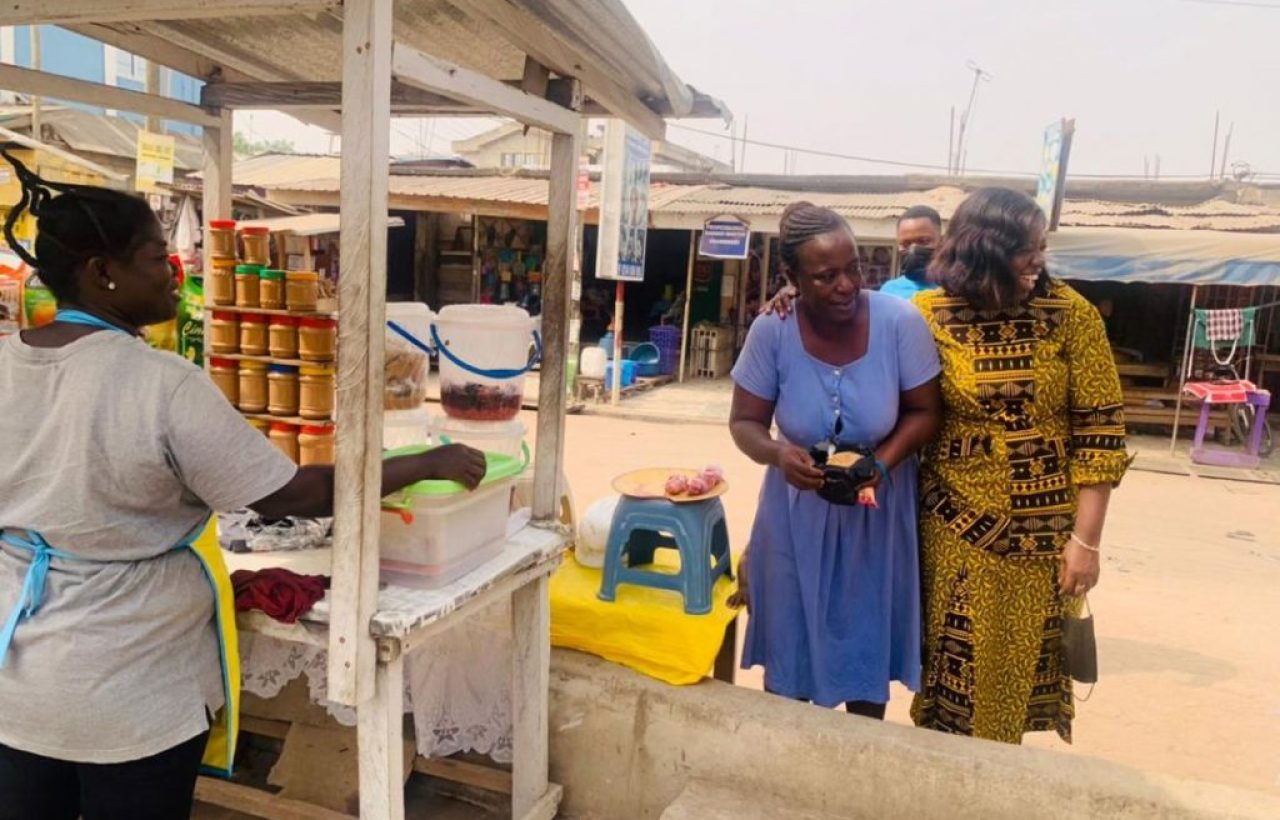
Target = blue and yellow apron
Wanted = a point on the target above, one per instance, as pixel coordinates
(220, 751)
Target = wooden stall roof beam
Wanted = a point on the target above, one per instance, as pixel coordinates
(72, 12)
(44, 84)
(532, 36)
(366, 76)
(428, 73)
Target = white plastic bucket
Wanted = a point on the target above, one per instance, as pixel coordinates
(484, 356)
(503, 437)
(594, 360)
(408, 356)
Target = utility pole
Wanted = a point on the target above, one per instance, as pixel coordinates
(951, 142)
(1213, 158)
(34, 31)
(742, 163)
(966, 118)
(1226, 148)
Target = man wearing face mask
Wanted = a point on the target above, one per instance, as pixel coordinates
(919, 231)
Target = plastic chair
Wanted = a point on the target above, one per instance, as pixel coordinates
(643, 526)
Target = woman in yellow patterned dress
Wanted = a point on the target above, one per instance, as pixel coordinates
(1014, 488)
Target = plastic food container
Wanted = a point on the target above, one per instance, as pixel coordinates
(253, 334)
(407, 361)
(316, 444)
(226, 375)
(222, 238)
(406, 428)
(248, 286)
(224, 332)
(282, 337)
(484, 356)
(285, 436)
(317, 340)
(220, 284)
(316, 392)
(302, 290)
(257, 246)
(282, 390)
(253, 387)
(628, 374)
(434, 532)
(271, 289)
(502, 437)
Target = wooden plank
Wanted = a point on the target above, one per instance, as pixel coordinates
(44, 84)
(218, 156)
(530, 682)
(414, 68)
(259, 803)
(362, 287)
(265, 727)
(460, 771)
(535, 38)
(562, 213)
(288, 96)
(380, 740)
(688, 303)
(79, 12)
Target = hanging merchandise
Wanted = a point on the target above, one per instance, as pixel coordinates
(12, 274)
(509, 260)
(191, 320)
(38, 303)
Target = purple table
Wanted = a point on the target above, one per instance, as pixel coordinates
(1240, 392)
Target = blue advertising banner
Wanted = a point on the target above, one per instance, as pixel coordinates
(725, 237)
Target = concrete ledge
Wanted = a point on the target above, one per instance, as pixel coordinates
(625, 746)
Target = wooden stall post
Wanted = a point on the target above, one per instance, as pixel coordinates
(688, 301)
(218, 156)
(366, 115)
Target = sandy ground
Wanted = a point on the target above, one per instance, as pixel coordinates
(1186, 610)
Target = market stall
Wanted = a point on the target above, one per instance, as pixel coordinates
(544, 64)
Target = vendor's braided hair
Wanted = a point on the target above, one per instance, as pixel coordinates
(74, 223)
(802, 222)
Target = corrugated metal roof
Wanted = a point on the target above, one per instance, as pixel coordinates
(90, 133)
(278, 170)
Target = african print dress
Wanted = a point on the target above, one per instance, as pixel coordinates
(1033, 412)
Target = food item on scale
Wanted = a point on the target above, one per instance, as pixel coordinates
(479, 402)
(843, 460)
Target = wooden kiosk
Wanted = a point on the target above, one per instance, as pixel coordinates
(350, 67)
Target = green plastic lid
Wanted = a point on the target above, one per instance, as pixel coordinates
(249, 270)
(500, 467)
(267, 273)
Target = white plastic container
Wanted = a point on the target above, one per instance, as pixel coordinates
(403, 428)
(504, 437)
(444, 537)
(408, 363)
(484, 356)
(594, 360)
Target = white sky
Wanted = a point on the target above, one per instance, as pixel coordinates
(877, 78)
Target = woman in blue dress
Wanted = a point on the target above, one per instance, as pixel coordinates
(834, 589)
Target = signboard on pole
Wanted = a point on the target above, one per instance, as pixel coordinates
(725, 237)
(155, 161)
(1052, 185)
(624, 204)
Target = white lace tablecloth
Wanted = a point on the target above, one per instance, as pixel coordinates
(457, 683)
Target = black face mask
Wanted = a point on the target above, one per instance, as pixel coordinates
(916, 260)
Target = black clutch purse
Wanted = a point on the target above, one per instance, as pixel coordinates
(840, 484)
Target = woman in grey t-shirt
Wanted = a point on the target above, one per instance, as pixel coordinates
(113, 455)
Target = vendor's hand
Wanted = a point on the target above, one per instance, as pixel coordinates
(741, 597)
(456, 462)
(1079, 569)
(781, 304)
(798, 467)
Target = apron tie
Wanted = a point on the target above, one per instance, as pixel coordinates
(32, 595)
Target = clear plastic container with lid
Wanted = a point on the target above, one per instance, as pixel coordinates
(316, 444)
(285, 436)
(224, 332)
(220, 284)
(226, 375)
(283, 390)
(318, 340)
(302, 290)
(271, 289)
(253, 334)
(248, 286)
(317, 386)
(253, 387)
(485, 352)
(257, 246)
(222, 238)
(282, 337)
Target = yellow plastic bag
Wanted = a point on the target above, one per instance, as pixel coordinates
(220, 752)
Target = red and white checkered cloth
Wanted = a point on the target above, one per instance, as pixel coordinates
(1223, 325)
(1229, 392)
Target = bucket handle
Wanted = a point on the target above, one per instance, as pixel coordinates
(409, 337)
(488, 374)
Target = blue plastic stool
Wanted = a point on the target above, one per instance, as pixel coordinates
(643, 526)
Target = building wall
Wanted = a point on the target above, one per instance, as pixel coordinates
(518, 150)
(72, 55)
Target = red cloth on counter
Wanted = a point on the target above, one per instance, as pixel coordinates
(283, 595)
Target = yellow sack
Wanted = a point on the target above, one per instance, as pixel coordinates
(645, 629)
(220, 752)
